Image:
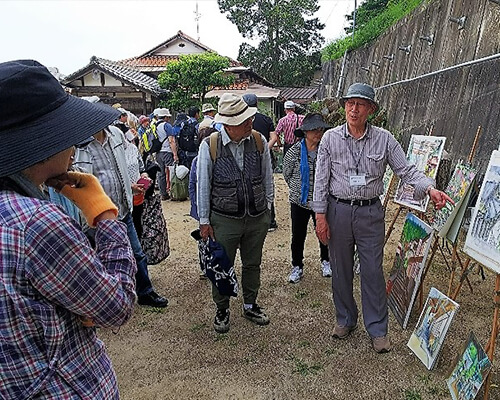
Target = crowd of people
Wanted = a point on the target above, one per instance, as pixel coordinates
(80, 218)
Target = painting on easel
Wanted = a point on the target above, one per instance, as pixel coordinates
(458, 189)
(429, 334)
(386, 180)
(483, 238)
(404, 279)
(470, 372)
(425, 153)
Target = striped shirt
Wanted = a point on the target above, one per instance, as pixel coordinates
(287, 126)
(291, 173)
(105, 169)
(341, 156)
(49, 277)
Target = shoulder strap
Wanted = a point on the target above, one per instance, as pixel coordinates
(215, 135)
(213, 145)
(258, 141)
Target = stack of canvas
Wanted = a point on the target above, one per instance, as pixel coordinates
(447, 220)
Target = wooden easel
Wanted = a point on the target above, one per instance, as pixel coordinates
(455, 257)
(490, 347)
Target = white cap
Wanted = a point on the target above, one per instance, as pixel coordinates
(289, 104)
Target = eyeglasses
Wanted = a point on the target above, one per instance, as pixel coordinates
(353, 103)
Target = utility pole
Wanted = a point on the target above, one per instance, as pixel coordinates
(197, 17)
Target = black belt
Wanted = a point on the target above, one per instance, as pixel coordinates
(360, 203)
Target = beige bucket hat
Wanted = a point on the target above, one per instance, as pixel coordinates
(233, 110)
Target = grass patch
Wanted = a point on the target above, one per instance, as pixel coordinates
(302, 368)
(394, 11)
(316, 304)
(221, 337)
(412, 394)
(300, 294)
(304, 343)
(154, 310)
(197, 327)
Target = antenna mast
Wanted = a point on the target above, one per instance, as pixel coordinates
(197, 17)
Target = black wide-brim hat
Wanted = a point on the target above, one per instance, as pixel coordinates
(38, 119)
(311, 122)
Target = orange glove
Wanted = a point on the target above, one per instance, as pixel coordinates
(86, 192)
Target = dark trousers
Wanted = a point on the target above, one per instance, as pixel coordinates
(363, 227)
(300, 218)
(247, 234)
(143, 283)
(137, 216)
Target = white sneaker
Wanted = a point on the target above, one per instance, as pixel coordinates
(296, 275)
(326, 269)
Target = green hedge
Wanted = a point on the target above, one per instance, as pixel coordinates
(394, 11)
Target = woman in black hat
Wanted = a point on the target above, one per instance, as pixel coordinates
(54, 288)
(299, 166)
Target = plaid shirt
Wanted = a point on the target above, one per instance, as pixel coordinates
(49, 277)
(287, 126)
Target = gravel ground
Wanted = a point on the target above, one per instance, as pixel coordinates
(175, 353)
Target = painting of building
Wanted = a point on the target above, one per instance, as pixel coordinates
(428, 336)
(483, 238)
(472, 368)
(404, 279)
(425, 153)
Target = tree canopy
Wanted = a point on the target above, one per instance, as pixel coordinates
(289, 49)
(365, 12)
(191, 77)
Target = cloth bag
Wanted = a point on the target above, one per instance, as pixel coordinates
(154, 239)
(179, 183)
(217, 266)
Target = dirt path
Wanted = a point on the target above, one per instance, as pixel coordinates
(175, 353)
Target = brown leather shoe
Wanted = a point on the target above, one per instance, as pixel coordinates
(381, 344)
(341, 332)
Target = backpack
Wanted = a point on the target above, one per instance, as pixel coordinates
(152, 144)
(188, 137)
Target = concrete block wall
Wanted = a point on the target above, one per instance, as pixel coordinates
(415, 95)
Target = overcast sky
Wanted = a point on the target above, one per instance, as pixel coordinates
(66, 33)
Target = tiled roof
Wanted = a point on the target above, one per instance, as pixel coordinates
(261, 91)
(238, 84)
(120, 71)
(150, 62)
(157, 63)
(153, 62)
(299, 95)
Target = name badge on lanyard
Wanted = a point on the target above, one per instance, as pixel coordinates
(357, 180)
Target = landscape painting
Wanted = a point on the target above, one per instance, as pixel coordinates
(471, 370)
(458, 188)
(386, 180)
(483, 238)
(428, 336)
(425, 153)
(404, 279)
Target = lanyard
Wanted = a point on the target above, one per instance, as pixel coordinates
(358, 160)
